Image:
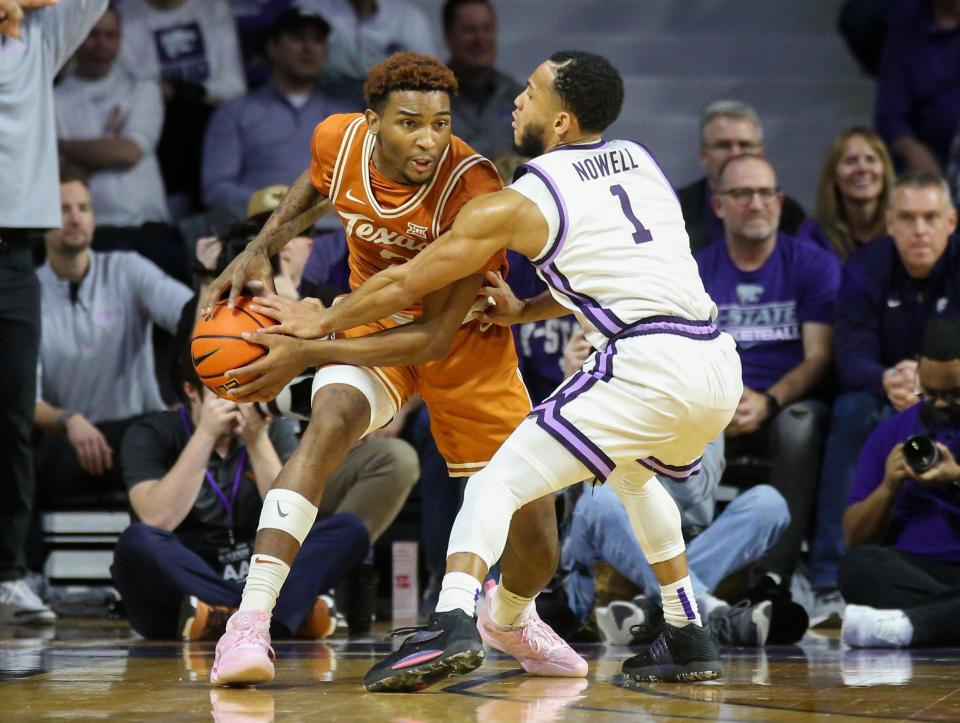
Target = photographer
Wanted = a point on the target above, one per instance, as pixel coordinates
(196, 478)
(214, 253)
(902, 528)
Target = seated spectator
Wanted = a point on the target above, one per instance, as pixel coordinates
(364, 33)
(902, 529)
(254, 18)
(775, 297)
(745, 531)
(853, 193)
(196, 479)
(108, 124)
(889, 291)
(917, 105)
(96, 349)
(191, 48)
(484, 105)
(727, 128)
(260, 139)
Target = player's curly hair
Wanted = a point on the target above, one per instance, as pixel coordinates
(407, 71)
(588, 86)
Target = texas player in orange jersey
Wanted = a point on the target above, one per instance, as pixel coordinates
(397, 178)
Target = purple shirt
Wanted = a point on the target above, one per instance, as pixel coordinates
(926, 520)
(764, 309)
(259, 140)
(918, 90)
(540, 344)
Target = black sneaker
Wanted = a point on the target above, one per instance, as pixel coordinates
(647, 631)
(742, 624)
(449, 645)
(678, 655)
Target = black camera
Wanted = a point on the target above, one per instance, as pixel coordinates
(921, 453)
(235, 238)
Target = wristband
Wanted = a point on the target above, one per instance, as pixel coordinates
(63, 419)
(773, 406)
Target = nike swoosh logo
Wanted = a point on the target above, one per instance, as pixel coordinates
(280, 511)
(266, 562)
(351, 197)
(198, 360)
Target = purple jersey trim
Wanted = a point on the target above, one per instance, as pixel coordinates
(678, 473)
(547, 416)
(554, 248)
(580, 146)
(659, 168)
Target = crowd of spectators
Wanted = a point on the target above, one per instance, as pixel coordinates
(178, 125)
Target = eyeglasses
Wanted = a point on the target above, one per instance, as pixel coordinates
(743, 196)
(740, 146)
(950, 396)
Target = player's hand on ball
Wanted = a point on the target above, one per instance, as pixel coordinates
(273, 371)
(251, 269)
(300, 318)
(506, 308)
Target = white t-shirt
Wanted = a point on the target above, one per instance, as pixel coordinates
(195, 42)
(356, 44)
(29, 172)
(121, 197)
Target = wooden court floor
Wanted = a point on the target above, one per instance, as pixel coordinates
(98, 671)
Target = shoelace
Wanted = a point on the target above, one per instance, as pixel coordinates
(252, 636)
(540, 636)
(723, 624)
(410, 630)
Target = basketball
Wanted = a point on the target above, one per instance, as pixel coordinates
(217, 345)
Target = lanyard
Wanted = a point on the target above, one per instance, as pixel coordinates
(227, 504)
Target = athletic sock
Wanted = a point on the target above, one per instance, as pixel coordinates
(459, 591)
(264, 580)
(679, 605)
(506, 606)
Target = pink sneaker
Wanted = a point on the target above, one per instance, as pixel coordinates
(244, 655)
(531, 641)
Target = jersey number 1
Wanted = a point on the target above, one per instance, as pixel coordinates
(641, 233)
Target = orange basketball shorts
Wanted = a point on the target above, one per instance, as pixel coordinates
(475, 395)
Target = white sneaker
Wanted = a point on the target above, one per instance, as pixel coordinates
(19, 604)
(828, 606)
(867, 627)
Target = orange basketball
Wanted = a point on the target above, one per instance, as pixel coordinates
(217, 346)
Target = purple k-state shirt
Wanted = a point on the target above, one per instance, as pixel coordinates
(926, 520)
(764, 309)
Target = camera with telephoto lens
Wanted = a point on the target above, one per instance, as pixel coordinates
(921, 453)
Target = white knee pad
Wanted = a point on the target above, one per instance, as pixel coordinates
(653, 514)
(288, 511)
(382, 407)
(494, 494)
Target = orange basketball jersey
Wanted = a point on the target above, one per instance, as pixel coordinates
(475, 395)
(387, 222)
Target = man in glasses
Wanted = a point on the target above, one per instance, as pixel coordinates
(775, 295)
(902, 528)
(727, 128)
(889, 290)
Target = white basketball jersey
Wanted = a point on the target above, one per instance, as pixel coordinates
(617, 251)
